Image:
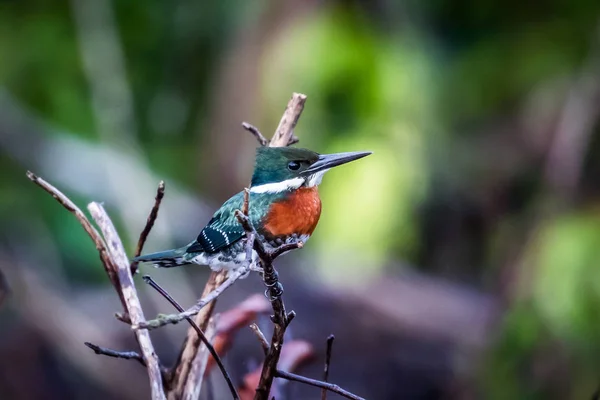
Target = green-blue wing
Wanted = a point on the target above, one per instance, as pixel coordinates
(224, 229)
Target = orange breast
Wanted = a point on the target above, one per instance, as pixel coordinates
(298, 213)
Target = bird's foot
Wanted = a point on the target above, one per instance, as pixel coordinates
(274, 287)
(256, 267)
(274, 292)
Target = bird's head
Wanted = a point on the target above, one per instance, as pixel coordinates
(278, 169)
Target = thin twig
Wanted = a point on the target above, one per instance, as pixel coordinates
(254, 130)
(285, 130)
(127, 355)
(298, 378)
(330, 340)
(109, 267)
(165, 319)
(246, 203)
(191, 345)
(160, 193)
(261, 337)
(284, 248)
(132, 302)
(313, 382)
(197, 374)
(148, 279)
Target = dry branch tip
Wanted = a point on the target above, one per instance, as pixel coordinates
(262, 140)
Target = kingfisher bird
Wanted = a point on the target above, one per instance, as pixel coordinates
(284, 207)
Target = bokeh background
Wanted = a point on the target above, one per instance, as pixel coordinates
(460, 261)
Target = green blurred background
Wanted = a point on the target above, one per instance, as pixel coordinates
(459, 261)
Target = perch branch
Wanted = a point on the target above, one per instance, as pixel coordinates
(270, 276)
(132, 302)
(274, 291)
(201, 335)
(160, 193)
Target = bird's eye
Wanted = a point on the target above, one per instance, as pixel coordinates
(293, 165)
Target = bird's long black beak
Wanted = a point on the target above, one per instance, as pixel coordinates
(327, 161)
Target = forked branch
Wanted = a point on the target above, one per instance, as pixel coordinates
(117, 267)
(324, 385)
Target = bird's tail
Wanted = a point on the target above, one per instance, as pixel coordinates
(165, 259)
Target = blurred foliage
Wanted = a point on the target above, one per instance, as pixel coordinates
(355, 107)
(437, 89)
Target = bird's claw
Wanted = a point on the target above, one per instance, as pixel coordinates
(274, 291)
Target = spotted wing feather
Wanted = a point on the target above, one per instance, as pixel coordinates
(216, 236)
(224, 229)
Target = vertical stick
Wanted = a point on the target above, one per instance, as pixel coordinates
(330, 339)
(132, 302)
(284, 135)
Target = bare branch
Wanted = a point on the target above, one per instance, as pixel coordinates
(148, 279)
(324, 385)
(285, 130)
(127, 355)
(254, 130)
(284, 248)
(132, 302)
(195, 380)
(160, 193)
(280, 317)
(261, 337)
(109, 267)
(163, 319)
(246, 203)
(313, 382)
(191, 345)
(330, 340)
